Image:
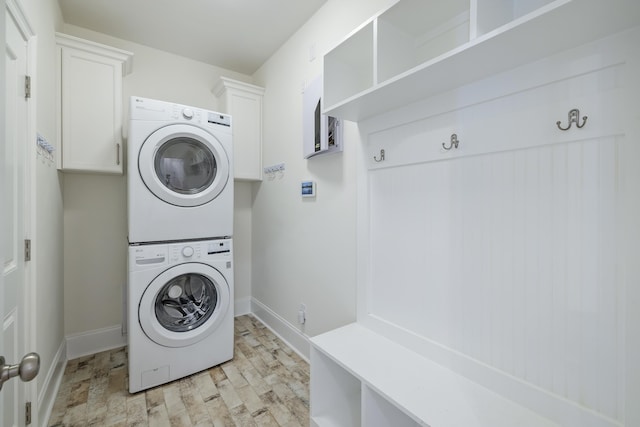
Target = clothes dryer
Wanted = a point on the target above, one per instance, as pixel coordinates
(180, 310)
(180, 172)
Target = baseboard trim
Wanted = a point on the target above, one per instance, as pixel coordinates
(284, 330)
(51, 385)
(242, 306)
(96, 341)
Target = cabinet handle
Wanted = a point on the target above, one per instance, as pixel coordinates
(117, 154)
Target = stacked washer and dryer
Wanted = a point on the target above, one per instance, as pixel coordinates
(180, 214)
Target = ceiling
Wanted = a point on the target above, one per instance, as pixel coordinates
(239, 35)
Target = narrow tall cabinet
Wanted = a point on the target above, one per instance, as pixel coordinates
(243, 102)
(90, 105)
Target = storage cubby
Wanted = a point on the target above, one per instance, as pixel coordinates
(416, 49)
(492, 14)
(335, 394)
(378, 412)
(415, 31)
(349, 74)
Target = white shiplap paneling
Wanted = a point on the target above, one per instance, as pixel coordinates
(509, 258)
(506, 252)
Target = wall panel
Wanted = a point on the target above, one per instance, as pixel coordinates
(502, 259)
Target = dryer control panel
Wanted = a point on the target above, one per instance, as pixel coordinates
(154, 110)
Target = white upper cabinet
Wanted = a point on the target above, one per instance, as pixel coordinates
(90, 112)
(243, 102)
(418, 48)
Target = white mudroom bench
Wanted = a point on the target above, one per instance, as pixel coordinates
(361, 378)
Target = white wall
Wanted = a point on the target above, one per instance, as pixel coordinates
(275, 259)
(95, 212)
(304, 251)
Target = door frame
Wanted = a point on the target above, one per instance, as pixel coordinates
(15, 9)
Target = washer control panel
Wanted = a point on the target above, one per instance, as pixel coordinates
(219, 247)
(185, 252)
(152, 255)
(149, 256)
(198, 250)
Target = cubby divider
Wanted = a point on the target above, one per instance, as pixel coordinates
(336, 393)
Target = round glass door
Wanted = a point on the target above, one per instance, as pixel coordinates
(184, 304)
(183, 165)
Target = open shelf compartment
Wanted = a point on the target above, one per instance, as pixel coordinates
(414, 31)
(335, 394)
(379, 412)
(493, 14)
(348, 69)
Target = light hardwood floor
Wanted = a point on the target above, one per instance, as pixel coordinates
(266, 384)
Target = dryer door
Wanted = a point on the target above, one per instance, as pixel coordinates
(183, 165)
(184, 304)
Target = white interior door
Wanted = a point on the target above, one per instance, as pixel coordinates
(14, 195)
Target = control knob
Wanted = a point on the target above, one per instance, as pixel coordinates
(187, 251)
(187, 113)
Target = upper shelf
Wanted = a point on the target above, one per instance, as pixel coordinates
(418, 48)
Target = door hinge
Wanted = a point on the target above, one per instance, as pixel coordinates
(27, 87)
(27, 413)
(27, 249)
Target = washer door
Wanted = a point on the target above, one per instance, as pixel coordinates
(184, 304)
(183, 165)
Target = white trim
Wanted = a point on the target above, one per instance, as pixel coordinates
(96, 341)
(242, 306)
(51, 385)
(31, 268)
(226, 83)
(15, 9)
(125, 56)
(284, 330)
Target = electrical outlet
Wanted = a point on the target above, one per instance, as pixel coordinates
(302, 314)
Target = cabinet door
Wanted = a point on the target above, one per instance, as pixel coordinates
(91, 112)
(246, 111)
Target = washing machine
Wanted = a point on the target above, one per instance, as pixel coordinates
(180, 172)
(179, 308)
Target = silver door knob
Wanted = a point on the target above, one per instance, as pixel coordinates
(27, 369)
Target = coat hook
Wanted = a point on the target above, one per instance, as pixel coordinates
(574, 117)
(381, 159)
(453, 144)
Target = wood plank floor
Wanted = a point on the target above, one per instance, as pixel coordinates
(266, 384)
